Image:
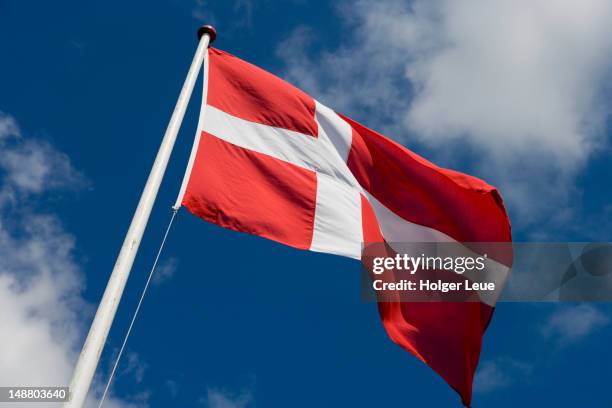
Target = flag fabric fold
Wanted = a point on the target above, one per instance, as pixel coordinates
(270, 160)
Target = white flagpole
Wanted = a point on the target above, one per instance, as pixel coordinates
(90, 355)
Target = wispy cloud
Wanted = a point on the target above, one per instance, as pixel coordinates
(34, 166)
(172, 386)
(517, 87)
(570, 324)
(165, 270)
(8, 126)
(203, 12)
(500, 373)
(216, 398)
(134, 366)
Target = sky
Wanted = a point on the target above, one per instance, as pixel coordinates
(516, 92)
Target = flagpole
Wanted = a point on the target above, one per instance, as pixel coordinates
(98, 332)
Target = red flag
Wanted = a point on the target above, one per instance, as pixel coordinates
(272, 161)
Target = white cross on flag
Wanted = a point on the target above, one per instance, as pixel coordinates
(270, 160)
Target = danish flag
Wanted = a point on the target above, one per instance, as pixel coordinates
(270, 160)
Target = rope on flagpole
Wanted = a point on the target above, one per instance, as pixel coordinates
(142, 295)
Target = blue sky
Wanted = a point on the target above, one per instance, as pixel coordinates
(237, 321)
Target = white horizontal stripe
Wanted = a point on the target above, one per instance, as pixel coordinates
(337, 226)
(292, 147)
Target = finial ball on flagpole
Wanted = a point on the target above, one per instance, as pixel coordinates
(207, 29)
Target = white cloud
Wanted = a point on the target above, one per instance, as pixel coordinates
(515, 84)
(8, 126)
(42, 314)
(219, 399)
(33, 166)
(500, 373)
(134, 366)
(165, 271)
(570, 324)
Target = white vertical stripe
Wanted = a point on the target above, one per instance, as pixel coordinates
(337, 226)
